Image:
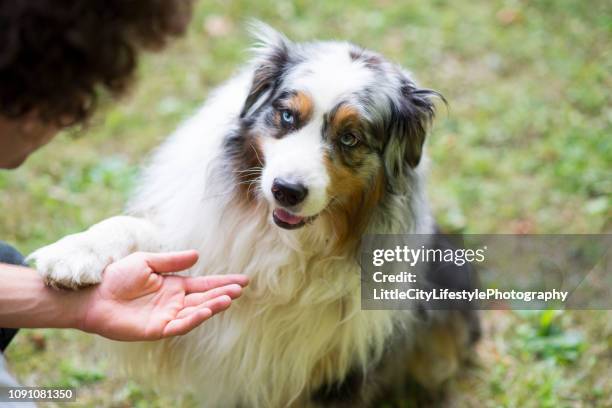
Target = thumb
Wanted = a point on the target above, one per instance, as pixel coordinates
(165, 262)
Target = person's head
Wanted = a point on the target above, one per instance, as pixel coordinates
(56, 56)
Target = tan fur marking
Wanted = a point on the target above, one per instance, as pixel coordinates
(352, 206)
(301, 103)
(248, 171)
(345, 116)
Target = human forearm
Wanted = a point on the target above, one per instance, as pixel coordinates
(26, 302)
(139, 298)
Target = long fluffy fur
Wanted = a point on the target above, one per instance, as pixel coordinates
(299, 325)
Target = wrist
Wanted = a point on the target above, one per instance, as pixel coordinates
(59, 308)
(75, 303)
(25, 301)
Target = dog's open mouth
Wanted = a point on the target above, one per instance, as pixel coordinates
(287, 220)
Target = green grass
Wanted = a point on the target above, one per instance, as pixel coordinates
(524, 147)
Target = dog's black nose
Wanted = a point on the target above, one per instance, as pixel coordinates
(288, 194)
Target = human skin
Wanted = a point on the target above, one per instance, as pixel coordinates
(138, 299)
(21, 137)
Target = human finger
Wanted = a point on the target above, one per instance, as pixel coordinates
(195, 299)
(215, 305)
(184, 325)
(167, 262)
(205, 283)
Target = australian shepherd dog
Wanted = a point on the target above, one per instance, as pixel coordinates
(279, 176)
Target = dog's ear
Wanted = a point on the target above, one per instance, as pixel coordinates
(412, 111)
(272, 54)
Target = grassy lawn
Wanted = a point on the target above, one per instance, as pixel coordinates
(525, 147)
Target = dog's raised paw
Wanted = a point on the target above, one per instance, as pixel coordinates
(70, 263)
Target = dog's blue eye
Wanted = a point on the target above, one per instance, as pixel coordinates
(287, 117)
(349, 139)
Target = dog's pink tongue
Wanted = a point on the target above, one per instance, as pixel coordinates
(286, 216)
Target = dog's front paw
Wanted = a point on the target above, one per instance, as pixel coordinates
(70, 263)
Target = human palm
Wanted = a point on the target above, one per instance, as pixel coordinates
(138, 300)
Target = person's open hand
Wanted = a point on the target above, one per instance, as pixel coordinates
(137, 300)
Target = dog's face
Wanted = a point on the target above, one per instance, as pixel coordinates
(327, 130)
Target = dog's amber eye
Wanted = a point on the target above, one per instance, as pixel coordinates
(349, 139)
(287, 118)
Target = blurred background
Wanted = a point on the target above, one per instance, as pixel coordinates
(524, 147)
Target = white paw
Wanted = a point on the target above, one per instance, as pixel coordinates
(70, 263)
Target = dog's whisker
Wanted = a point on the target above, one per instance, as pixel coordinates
(247, 182)
(243, 175)
(250, 170)
(257, 155)
(249, 188)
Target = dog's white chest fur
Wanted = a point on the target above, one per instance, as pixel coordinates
(297, 326)
(289, 334)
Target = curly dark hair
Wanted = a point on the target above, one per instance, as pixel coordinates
(56, 55)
